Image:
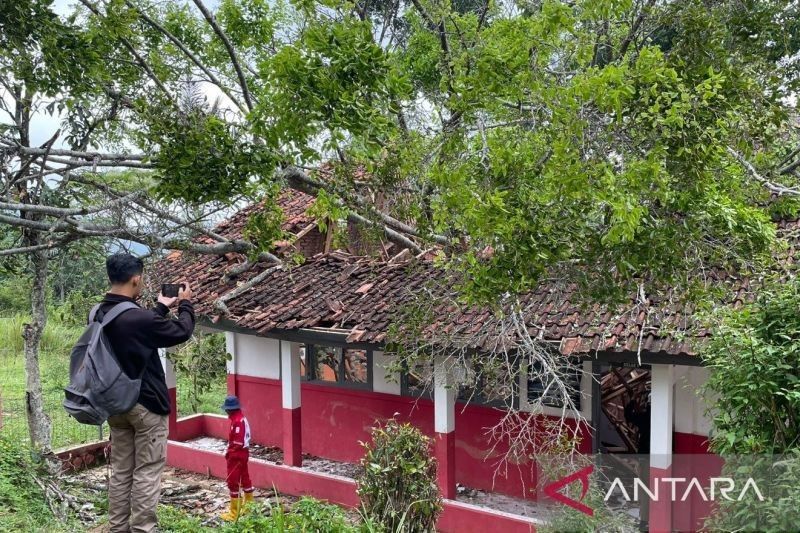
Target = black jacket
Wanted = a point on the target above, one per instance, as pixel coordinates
(135, 337)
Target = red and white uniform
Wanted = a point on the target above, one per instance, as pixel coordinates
(238, 454)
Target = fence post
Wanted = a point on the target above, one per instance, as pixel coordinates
(100, 431)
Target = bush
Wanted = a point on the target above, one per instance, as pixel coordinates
(74, 310)
(200, 368)
(397, 487)
(603, 519)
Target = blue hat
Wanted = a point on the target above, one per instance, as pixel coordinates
(231, 404)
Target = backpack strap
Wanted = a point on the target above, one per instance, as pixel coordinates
(117, 310)
(93, 313)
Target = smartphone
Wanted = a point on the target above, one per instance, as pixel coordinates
(170, 290)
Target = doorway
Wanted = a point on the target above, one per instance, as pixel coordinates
(624, 417)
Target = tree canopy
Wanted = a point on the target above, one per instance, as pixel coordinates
(605, 140)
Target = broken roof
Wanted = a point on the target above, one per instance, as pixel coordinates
(366, 297)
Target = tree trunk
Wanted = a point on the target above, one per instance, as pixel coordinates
(38, 422)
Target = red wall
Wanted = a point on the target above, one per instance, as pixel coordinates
(456, 517)
(691, 458)
(334, 420)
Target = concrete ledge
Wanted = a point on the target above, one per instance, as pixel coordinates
(456, 517)
(200, 425)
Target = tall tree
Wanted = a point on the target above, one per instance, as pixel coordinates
(602, 141)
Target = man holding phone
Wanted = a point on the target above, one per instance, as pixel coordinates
(139, 437)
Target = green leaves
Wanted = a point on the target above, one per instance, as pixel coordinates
(398, 488)
(754, 387)
(588, 139)
(202, 157)
(333, 81)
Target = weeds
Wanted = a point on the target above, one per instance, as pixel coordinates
(307, 514)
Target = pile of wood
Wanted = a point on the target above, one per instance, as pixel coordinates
(618, 387)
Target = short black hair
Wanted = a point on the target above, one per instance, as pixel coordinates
(122, 267)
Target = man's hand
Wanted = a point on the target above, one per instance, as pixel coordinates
(166, 300)
(185, 293)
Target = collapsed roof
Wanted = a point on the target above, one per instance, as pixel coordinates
(366, 297)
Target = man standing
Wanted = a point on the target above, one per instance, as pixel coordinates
(139, 437)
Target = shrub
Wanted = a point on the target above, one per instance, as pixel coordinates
(398, 487)
(200, 366)
(74, 309)
(604, 518)
(776, 478)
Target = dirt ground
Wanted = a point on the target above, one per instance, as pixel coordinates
(197, 494)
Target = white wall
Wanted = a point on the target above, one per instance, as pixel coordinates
(690, 416)
(253, 356)
(382, 380)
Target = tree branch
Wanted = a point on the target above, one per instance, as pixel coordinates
(212, 21)
(776, 188)
(188, 53)
(626, 42)
(139, 59)
(219, 303)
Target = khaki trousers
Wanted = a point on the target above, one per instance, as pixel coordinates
(138, 454)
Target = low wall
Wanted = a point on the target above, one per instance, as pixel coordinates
(456, 516)
(77, 458)
(335, 420)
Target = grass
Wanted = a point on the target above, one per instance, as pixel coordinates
(307, 514)
(207, 402)
(57, 343)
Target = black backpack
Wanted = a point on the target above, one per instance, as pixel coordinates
(98, 387)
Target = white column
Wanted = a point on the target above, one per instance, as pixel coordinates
(444, 396)
(172, 393)
(169, 368)
(382, 380)
(444, 405)
(290, 397)
(290, 376)
(662, 402)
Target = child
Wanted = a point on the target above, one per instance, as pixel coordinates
(237, 456)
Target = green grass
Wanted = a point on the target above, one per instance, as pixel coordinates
(57, 343)
(207, 402)
(307, 514)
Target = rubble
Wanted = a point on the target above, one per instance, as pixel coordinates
(198, 495)
(275, 455)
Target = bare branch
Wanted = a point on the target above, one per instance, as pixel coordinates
(88, 155)
(139, 59)
(212, 21)
(776, 188)
(28, 249)
(220, 303)
(188, 53)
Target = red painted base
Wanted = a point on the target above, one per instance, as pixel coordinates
(292, 437)
(191, 427)
(446, 459)
(232, 385)
(456, 516)
(660, 519)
